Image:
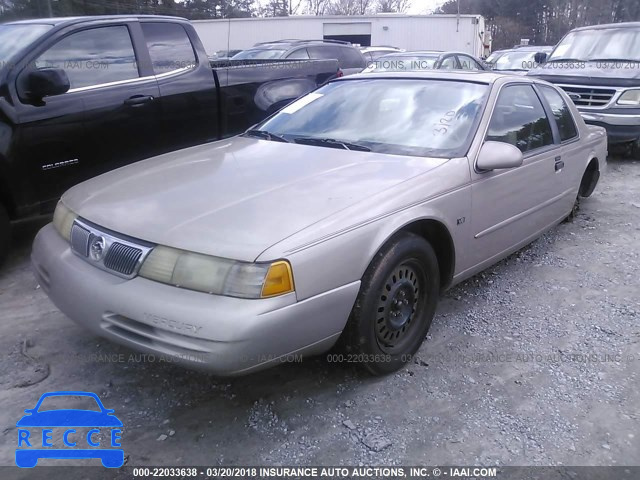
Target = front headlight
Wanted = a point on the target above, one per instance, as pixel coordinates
(630, 97)
(215, 275)
(63, 219)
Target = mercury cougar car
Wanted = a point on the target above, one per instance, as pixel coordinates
(336, 221)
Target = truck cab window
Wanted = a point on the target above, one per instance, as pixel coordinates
(520, 119)
(169, 47)
(93, 57)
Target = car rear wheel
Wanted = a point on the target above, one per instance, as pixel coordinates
(395, 306)
(5, 233)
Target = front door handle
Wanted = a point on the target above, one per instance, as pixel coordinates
(559, 163)
(138, 100)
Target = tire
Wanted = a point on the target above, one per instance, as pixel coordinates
(633, 152)
(574, 211)
(5, 234)
(395, 306)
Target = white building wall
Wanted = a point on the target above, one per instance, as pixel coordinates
(411, 32)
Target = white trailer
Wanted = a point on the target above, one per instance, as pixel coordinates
(464, 33)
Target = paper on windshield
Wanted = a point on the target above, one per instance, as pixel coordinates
(298, 104)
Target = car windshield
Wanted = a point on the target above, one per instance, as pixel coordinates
(259, 54)
(14, 38)
(514, 61)
(420, 117)
(66, 402)
(494, 56)
(599, 44)
(402, 63)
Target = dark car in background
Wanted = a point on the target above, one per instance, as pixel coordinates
(515, 60)
(599, 67)
(424, 60)
(224, 54)
(81, 96)
(349, 57)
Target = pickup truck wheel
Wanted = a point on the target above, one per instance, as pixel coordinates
(395, 305)
(5, 234)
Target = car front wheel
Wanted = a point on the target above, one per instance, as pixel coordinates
(395, 305)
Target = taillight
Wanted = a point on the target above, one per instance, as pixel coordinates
(339, 74)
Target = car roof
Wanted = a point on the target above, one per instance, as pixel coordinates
(292, 43)
(528, 48)
(610, 25)
(477, 76)
(71, 20)
(427, 52)
(381, 47)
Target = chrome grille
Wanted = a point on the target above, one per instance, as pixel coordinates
(80, 240)
(122, 258)
(108, 251)
(590, 97)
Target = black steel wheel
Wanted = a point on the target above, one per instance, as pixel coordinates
(398, 305)
(395, 306)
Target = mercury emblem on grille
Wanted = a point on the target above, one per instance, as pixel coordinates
(97, 248)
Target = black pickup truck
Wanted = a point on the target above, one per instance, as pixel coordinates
(81, 96)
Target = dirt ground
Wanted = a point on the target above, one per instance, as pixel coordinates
(536, 361)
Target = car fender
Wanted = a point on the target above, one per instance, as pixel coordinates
(347, 253)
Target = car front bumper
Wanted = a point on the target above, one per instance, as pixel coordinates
(620, 128)
(223, 335)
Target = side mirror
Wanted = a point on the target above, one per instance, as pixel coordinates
(496, 155)
(45, 82)
(540, 57)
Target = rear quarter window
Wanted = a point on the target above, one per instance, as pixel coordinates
(561, 112)
(169, 46)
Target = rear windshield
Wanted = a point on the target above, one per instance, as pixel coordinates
(14, 38)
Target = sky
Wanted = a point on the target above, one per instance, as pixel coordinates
(424, 6)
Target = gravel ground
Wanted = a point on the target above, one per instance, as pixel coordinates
(535, 361)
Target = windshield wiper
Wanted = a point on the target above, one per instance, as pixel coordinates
(265, 135)
(332, 143)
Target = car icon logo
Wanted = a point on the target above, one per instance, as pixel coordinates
(97, 248)
(69, 433)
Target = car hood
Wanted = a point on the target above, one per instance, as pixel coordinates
(605, 73)
(237, 197)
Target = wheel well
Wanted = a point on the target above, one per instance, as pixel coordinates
(438, 236)
(590, 178)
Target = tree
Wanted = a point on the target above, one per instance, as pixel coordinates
(393, 6)
(276, 8)
(349, 7)
(317, 7)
